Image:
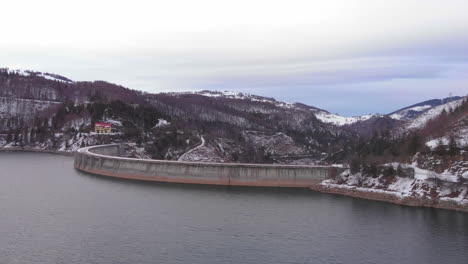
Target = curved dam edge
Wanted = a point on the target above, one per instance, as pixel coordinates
(104, 160)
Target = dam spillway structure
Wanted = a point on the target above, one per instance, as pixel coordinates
(106, 160)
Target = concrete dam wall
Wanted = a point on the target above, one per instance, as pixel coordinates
(104, 160)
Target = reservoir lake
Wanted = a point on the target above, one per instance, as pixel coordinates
(51, 213)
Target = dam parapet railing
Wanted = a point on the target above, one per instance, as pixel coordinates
(106, 160)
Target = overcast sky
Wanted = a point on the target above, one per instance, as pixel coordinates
(348, 57)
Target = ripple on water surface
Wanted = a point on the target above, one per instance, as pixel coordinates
(51, 213)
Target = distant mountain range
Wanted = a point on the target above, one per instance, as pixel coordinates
(234, 126)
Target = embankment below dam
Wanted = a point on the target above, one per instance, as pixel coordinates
(105, 160)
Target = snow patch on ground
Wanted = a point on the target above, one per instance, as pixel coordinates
(132, 150)
(60, 142)
(202, 153)
(235, 95)
(460, 136)
(77, 123)
(276, 144)
(340, 120)
(199, 153)
(161, 123)
(421, 174)
(113, 122)
(435, 142)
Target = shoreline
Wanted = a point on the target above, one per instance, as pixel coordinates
(20, 149)
(410, 201)
(391, 198)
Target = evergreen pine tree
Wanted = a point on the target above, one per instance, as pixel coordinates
(9, 137)
(452, 147)
(440, 149)
(399, 171)
(414, 144)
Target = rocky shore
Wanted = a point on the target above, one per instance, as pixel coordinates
(418, 191)
(391, 198)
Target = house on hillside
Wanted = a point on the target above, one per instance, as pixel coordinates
(102, 127)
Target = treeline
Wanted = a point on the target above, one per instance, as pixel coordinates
(34, 86)
(382, 147)
(439, 125)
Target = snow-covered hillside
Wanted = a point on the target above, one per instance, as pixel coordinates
(423, 118)
(418, 112)
(235, 95)
(423, 185)
(13, 109)
(412, 111)
(322, 115)
(414, 116)
(240, 96)
(338, 120)
(460, 136)
(405, 114)
(280, 129)
(48, 76)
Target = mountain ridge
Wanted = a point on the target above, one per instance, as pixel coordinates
(235, 126)
(324, 115)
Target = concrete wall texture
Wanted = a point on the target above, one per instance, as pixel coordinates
(104, 160)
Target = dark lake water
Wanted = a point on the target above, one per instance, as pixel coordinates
(50, 213)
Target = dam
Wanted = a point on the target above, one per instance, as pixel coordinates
(107, 160)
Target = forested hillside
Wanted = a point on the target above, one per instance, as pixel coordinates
(49, 111)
